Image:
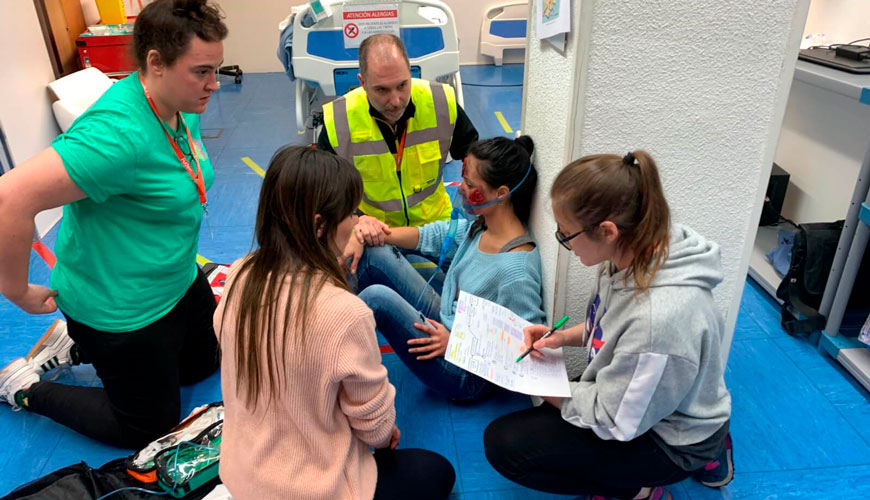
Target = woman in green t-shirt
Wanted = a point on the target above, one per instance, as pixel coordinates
(132, 175)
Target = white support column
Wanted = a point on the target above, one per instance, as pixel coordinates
(700, 84)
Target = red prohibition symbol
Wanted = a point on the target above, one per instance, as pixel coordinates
(351, 30)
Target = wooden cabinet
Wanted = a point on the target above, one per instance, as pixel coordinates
(62, 22)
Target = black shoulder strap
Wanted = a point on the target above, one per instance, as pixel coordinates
(519, 241)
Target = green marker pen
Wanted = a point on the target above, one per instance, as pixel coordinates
(549, 332)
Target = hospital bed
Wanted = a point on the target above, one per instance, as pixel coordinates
(323, 69)
(504, 27)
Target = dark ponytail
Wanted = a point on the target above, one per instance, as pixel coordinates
(506, 162)
(627, 191)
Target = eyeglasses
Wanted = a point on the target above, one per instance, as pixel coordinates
(185, 148)
(564, 240)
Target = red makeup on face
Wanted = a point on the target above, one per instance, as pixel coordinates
(476, 197)
(473, 196)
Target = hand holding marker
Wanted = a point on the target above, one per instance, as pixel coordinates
(549, 332)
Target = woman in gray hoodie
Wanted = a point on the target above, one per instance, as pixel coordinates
(651, 408)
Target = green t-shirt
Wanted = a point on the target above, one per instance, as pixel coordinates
(126, 254)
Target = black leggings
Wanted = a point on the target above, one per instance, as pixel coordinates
(412, 473)
(538, 449)
(141, 371)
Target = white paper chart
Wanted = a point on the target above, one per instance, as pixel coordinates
(487, 339)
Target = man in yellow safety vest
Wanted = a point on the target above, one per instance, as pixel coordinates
(397, 131)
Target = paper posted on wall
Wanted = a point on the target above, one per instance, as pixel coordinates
(553, 21)
(487, 338)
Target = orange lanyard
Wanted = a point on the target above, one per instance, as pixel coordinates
(197, 177)
(401, 150)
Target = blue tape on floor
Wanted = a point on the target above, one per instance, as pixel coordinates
(865, 95)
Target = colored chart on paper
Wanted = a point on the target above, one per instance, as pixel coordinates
(486, 340)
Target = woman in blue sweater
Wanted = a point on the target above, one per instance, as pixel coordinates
(493, 257)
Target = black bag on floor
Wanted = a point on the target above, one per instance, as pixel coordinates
(802, 287)
(81, 482)
(183, 463)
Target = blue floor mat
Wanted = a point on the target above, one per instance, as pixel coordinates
(801, 424)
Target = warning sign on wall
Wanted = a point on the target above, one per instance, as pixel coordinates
(362, 21)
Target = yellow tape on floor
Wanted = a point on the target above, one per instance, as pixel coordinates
(504, 123)
(253, 165)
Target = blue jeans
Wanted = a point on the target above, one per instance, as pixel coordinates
(427, 268)
(390, 287)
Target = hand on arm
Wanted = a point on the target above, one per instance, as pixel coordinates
(38, 184)
(374, 233)
(371, 231)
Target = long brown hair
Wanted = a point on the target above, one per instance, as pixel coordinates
(300, 184)
(626, 191)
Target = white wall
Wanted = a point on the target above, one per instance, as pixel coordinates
(702, 85)
(549, 79)
(822, 146)
(841, 20)
(824, 134)
(253, 26)
(549, 101)
(253, 39)
(25, 111)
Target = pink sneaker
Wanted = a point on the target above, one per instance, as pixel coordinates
(720, 471)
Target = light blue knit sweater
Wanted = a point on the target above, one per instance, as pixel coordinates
(510, 279)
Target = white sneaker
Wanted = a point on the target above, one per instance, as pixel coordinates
(52, 350)
(17, 375)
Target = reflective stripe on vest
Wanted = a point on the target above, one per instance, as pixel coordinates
(443, 129)
(367, 141)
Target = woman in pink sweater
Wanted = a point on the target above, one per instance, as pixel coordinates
(305, 393)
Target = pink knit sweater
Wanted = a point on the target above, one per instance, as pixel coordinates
(312, 442)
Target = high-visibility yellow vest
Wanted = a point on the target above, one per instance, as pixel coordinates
(420, 198)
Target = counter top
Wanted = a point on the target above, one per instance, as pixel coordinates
(848, 84)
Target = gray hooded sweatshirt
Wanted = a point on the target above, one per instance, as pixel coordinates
(656, 357)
